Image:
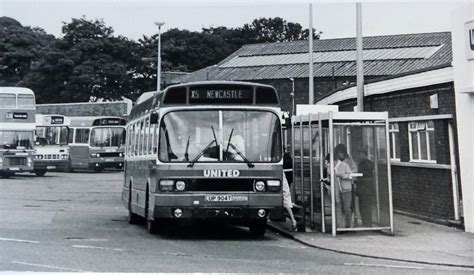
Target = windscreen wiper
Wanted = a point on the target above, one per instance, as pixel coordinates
(249, 163)
(191, 163)
(186, 155)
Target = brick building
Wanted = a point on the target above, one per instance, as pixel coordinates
(334, 62)
(421, 107)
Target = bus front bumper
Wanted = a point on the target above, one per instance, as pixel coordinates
(198, 206)
(42, 165)
(106, 163)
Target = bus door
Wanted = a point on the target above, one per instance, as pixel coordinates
(79, 150)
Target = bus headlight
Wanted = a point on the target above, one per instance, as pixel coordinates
(28, 161)
(94, 155)
(166, 185)
(64, 156)
(273, 185)
(120, 154)
(259, 186)
(1, 161)
(180, 185)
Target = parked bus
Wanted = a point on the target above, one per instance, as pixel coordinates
(51, 144)
(97, 142)
(17, 127)
(205, 150)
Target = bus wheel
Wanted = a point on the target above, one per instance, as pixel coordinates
(258, 228)
(132, 217)
(40, 173)
(151, 226)
(98, 169)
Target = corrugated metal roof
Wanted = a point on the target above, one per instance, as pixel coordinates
(384, 56)
(333, 56)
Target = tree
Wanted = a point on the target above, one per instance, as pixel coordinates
(20, 48)
(89, 63)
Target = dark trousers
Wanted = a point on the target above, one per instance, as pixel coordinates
(366, 198)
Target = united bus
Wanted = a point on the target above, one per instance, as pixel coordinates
(51, 144)
(205, 150)
(17, 127)
(97, 142)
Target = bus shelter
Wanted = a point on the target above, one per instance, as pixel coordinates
(341, 166)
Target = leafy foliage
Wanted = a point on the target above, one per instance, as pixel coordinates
(89, 62)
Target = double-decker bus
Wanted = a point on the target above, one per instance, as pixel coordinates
(51, 144)
(97, 142)
(205, 150)
(17, 127)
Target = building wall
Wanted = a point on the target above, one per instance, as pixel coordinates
(322, 87)
(118, 108)
(422, 191)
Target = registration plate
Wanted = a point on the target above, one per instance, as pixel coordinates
(108, 160)
(224, 198)
(50, 167)
(15, 169)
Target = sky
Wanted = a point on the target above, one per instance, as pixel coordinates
(133, 19)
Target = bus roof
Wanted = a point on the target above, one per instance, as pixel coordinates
(89, 121)
(16, 90)
(208, 93)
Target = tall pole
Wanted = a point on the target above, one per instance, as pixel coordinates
(292, 96)
(359, 60)
(311, 79)
(158, 70)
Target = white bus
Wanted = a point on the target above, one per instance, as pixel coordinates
(51, 144)
(97, 142)
(17, 127)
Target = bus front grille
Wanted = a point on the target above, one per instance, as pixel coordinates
(220, 185)
(109, 154)
(16, 161)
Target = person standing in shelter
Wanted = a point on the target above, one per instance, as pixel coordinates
(287, 180)
(365, 187)
(343, 171)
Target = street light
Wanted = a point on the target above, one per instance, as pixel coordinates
(158, 73)
(292, 96)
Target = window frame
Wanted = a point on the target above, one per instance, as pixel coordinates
(392, 131)
(425, 132)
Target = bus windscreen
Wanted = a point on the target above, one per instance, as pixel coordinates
(242, 134)
(107, 137)
(16, 140)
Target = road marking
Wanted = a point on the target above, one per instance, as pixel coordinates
(96, 247)
(383, 265)
(17, 240)
(49, 266)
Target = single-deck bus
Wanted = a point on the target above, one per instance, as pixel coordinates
(17, 127)
(205, 150)
(51, 144)
(97, 142)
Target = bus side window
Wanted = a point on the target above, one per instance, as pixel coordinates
(81, 136)
(155, 138)
(70, 137)
(146, 139)
(135, 139)
(142, 129)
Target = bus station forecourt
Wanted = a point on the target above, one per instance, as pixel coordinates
(411, 245)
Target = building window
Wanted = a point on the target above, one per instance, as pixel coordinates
(394, 133)
(421, 141)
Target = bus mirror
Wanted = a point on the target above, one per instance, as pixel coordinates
(154, 118)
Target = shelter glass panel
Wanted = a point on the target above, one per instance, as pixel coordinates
(361, 176)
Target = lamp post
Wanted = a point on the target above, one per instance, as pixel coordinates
(158, 73)
(292, 96)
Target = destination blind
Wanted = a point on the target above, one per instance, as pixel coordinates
(221, 95)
